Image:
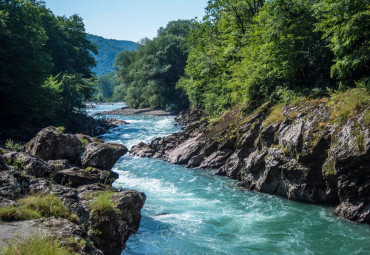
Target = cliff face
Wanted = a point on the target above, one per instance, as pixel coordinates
(302, 151)
(76, 171)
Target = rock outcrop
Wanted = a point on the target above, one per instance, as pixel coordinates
(298, 151)
(76, 169)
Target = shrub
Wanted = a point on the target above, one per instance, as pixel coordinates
(36, 245)
(13, 146)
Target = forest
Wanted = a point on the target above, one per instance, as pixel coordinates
(45, 66)
(250, 52)
(242, 52)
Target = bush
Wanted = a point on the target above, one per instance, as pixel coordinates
(36, 245)
(35, 207)
(13, 146)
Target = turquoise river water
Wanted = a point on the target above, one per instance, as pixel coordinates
(191, 211)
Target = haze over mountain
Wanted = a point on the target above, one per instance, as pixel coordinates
(108, 49)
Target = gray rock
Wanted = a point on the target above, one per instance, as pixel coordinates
(32, 165)
(59, 164)
(3, 166)
(102, 155)
(75, 177)
(115, 227)
(52, 144)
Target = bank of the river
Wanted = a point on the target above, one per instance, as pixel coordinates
(57, 191)
(131, 111)
(195, 212)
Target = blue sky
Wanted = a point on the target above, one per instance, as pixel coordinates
(128, 19)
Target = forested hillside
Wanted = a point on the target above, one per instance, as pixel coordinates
(251, 52)
(45, 67)
(108, 50)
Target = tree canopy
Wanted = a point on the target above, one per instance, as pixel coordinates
(148, 77)
(45, 64)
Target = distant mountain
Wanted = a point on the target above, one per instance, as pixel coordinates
(108, 49)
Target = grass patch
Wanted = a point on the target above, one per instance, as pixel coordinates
(13, 146)
(103, 203)
(35, 207)
(276, 115)
(61, 130)
(367, 117)
(37, 245)
(84, 142)
(18, 164)
(343, 105)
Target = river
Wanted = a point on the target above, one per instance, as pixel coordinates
(191, 211)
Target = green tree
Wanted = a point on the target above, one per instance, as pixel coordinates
(34, 45)
(148, 77)
(346, 25)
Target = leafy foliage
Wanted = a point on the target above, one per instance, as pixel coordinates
(34, 46)
(257, 51)
(346, 25)
(148, 77)
(106, 85)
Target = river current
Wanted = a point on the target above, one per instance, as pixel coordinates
(191, 211)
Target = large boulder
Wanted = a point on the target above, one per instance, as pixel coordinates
(102, 155)
(52, 144)
(31, 165)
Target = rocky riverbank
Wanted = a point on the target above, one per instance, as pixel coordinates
(74, 173)
(314, 151)
(142, 111)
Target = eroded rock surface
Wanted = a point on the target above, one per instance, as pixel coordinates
(76, 169)
(304, 155)
(102, 155)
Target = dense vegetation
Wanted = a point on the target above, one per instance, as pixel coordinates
(148, 77)
(108, 49)
(106, 85)
(251, 52)
(255, 51)
(45, 65)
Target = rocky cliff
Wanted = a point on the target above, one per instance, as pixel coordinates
(314, 151)
(76, 171)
